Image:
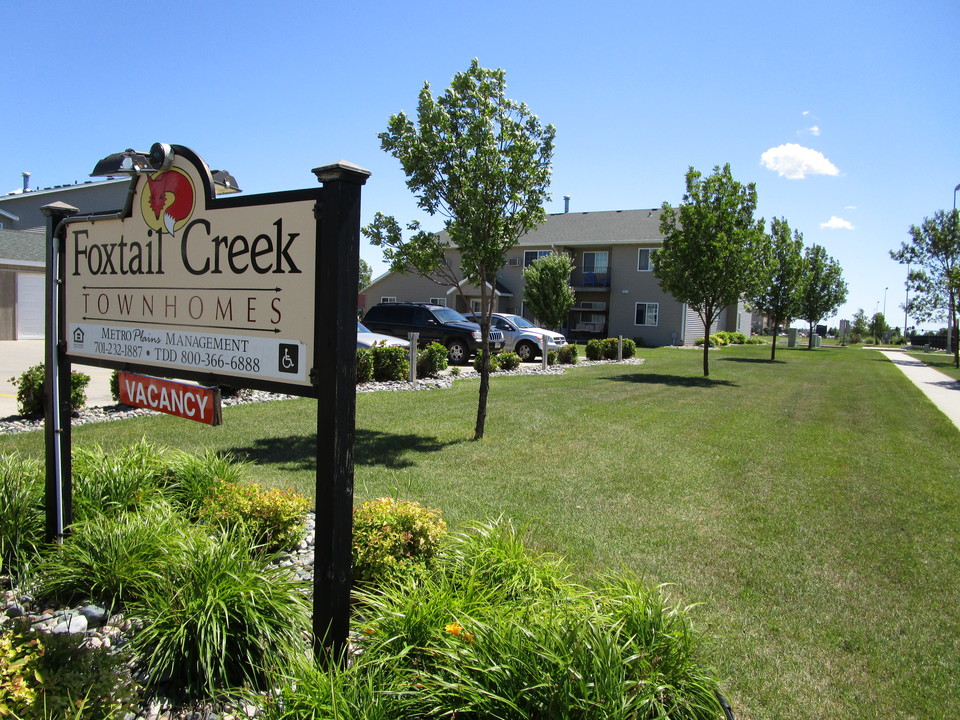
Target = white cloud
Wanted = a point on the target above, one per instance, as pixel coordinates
(836, 223)
(814, 130)
(795, 161)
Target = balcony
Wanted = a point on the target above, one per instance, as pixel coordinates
(597, 278)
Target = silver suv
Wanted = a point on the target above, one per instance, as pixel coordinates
(522, 336)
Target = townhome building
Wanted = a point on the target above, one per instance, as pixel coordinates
(616, 291)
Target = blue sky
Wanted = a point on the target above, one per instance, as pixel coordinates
(844, 114)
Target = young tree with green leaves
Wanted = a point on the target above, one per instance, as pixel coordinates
(878, 327)
(547, 290)
(860, 326)
(778, 294)
(933, 256)
(366, 274)
(482, 162)
(711, 246)
(823, 289)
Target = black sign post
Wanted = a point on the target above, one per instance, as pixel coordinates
(56, 382)
(338, 269)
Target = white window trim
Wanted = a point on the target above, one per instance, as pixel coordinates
(438, 301)
(388, 299)
(537, 254)
(647, 314)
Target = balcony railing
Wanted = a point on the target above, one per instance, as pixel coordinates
(599, 277)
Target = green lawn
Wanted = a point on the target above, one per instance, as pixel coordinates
(810, 506)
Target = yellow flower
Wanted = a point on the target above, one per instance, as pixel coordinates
(369, 631)
(454, 628)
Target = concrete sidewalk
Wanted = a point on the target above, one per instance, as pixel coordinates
(16, 356)
(942, 390)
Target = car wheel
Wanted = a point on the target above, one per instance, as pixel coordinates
(527, 351)
(457, 352)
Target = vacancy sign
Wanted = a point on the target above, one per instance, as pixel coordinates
(181, 280)
(192, 402)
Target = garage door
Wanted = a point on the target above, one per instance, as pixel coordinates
(29, 306)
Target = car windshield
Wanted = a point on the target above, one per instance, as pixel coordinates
(520, 322)
(362, 328)
(447, 315)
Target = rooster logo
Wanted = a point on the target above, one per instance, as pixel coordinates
(167, 201)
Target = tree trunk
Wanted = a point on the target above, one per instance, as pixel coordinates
(810, 338)
(773, 345)
(485, 315)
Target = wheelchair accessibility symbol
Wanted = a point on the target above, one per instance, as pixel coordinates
(289, 359)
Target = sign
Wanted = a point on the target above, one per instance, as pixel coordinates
(184, 283)
(192, 402)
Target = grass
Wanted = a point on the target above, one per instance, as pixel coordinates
(809, 505)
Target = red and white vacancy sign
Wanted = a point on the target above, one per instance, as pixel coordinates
(193, 402)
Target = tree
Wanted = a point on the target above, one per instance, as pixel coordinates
(823, 289)
(366, 274)
(777, 295)
(860, 326)
(482, 161)
(546, 289)
(933, 256)
(878, 327)
(711, 245)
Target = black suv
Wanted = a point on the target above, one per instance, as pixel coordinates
(435, 324)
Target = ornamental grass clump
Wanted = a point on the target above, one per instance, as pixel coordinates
(219, 617)
(21, 513)
(114, 559)
(391, 537)
(189, 480)
(108, 482)
(492, 630)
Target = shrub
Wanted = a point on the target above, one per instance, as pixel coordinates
(391, 535)
(57, 676)
(431, 360)
(567, 354)
(30, 395)
(21, 512)
(639, 342)
(508, 361)
(189, 480)
(364, 366)
(219, 617)
(553, 357)
(594, 349)
(494, 361)
(492, 630)
(390, 364)
(717, 341)
(629, 348)
(108, 482)
(731, 338)
(755, 340)
(273, 518)
(113, 559)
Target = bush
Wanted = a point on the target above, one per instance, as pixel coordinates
(552, 357)
(391, 535)
(58, 677)
(508, 360)
(30, 395)
(390, 364)
(273, 518)
(189, 480)
(731, 338)
(629, 348)
(107, 482)
(21, 512)
(567, 354)
(431, 360)
(494, 361)
(364, 366)
(219, 617)
(755, 340)
(492, 630)
(113, 560)
(594, 349)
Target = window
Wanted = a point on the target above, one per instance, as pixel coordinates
(646, 313)
(595, 262)
(438, 301)
(475, 306)
(388, 299)
(530, 255)
(645, 259)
